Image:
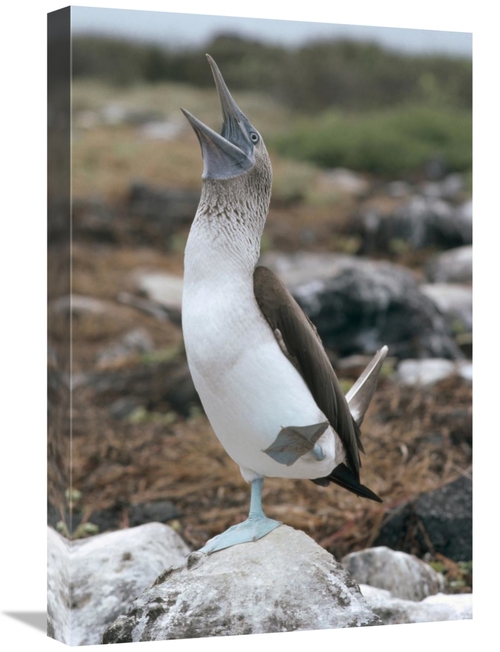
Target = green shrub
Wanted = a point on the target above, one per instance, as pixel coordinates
(311, 78)
(392, 141)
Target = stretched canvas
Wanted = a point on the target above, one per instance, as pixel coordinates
(151, 449)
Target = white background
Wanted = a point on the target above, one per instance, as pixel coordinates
(23, 317)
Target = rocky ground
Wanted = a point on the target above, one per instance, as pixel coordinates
(143, 449)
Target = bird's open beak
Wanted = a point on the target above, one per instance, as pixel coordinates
(230, 153)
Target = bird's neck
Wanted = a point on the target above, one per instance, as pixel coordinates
(226, 233)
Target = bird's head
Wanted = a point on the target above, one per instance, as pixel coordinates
(239, 149)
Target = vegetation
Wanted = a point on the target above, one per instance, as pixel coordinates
(388, 142)
(329, 103)
(324, 74)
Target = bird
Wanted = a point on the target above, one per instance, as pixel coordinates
(257, 362)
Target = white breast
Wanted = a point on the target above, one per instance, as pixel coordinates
(247, 386)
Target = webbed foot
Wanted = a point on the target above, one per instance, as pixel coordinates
(253, 529)
(295, 441)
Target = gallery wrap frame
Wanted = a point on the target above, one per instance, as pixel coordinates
(60, 233)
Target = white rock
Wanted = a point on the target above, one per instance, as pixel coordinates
(398, 188)
(78, 304)
(449, 188)
(164, 288)
(465, 212)
(462, 602)
(435, 608)
(162, 130)
(283, 582)
(114, 114)
(453, 300)
(344, 181)
(403, 575)
(107, 572)
(58, 586)
(133, 342)
(372, 592)
(304, 267)
(452, 185)
(452, 266)
(428, 371)
(465, 371)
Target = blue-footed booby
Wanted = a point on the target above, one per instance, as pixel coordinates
(257, 362)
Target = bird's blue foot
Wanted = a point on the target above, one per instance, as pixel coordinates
(253, 529)
(293, 442)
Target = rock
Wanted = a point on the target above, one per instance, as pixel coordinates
(358, 305)
(403, 575)
(78, 305)
(449, 188)
(156, 510)
(112, 518)
(123, 407)
(429, 221)
(465, 371)
(94, 221)
(134, 342)
(343, 181)
(113, 114)
(165, 289)
(162, 129)
(425, 372)
(464, 214)
(398, 188)
(438, 521)
(421, 221)
(150, 216)
(105, 520)
(452, 186)
(58, 587)
(161, 206)
(91, 318)
(454, 301)
(150, 308)
(118, 114)
(108, 572)
(283, 582)
(435, 608)
(453, 266)
(146, 384)
(434, 168)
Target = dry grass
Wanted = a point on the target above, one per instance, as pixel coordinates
(166, 99)
(108, 157)
(107, 160)
(103, 271)
(184, 462)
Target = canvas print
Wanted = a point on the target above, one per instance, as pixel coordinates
(260, 326)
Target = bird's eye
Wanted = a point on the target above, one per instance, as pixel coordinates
(254, 137)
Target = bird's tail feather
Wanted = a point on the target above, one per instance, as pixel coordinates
(345, 478)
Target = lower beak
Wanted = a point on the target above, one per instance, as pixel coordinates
(230, 153)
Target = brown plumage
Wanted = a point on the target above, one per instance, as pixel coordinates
(300, 342)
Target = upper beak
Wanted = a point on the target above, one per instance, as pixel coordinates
(230, 153)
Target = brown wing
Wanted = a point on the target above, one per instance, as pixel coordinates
(304, 348)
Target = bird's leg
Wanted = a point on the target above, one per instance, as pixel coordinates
(256, 510)
(255, 527)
